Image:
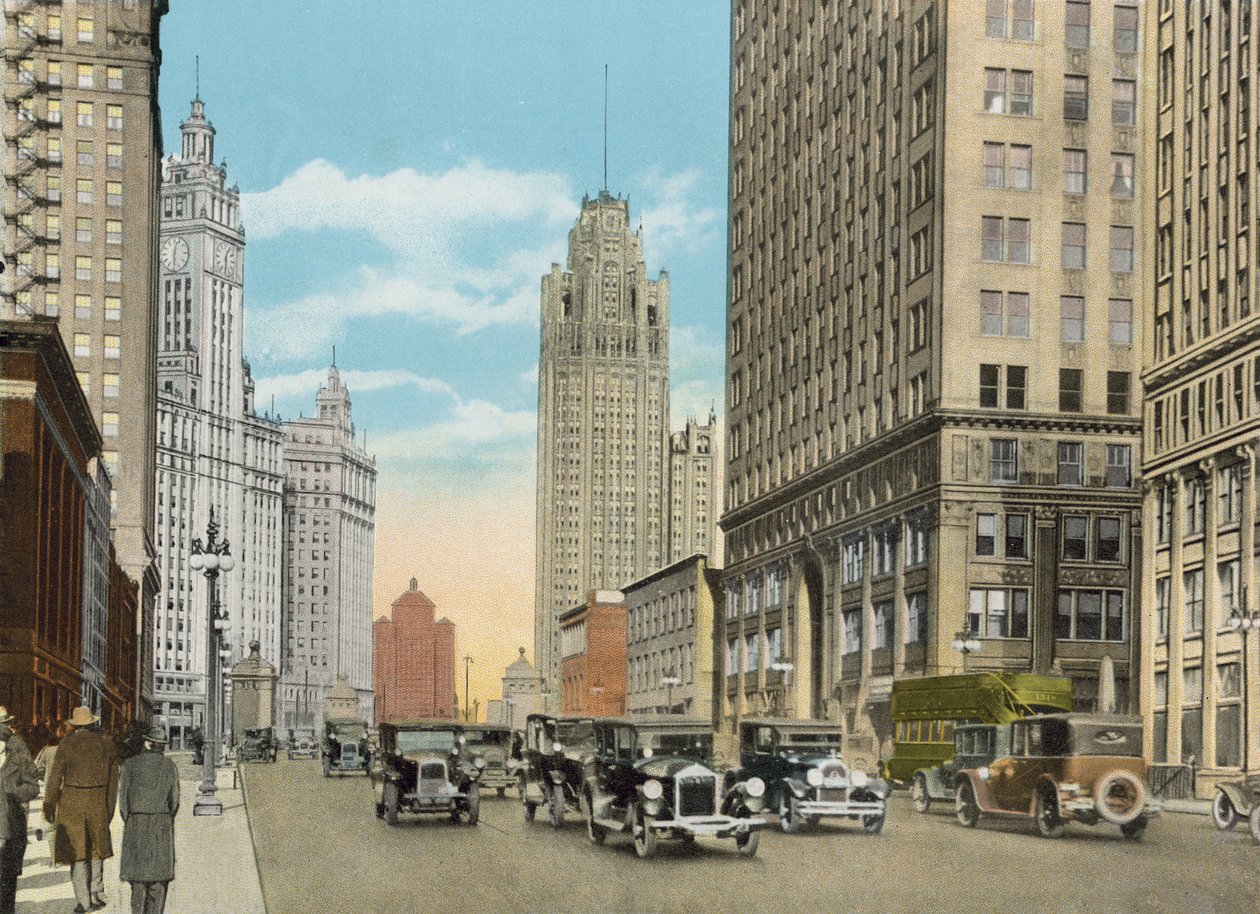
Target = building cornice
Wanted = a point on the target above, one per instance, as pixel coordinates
(1242, 336)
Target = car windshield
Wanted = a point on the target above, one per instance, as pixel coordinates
(798, 741)
(1106, 739)
(698, 745)
(426, 740)
(575, 735)
(349, 732)
(486, 737)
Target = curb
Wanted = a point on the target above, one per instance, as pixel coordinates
(253, 841)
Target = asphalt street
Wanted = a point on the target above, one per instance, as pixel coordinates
(321, 849)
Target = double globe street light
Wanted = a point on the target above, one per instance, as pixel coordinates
(214, 557)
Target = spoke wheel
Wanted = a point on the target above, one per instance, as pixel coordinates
(1223, 813)
(557, 805)
(474, 804)
(919, 794)
(1254, 821)
(789, 816)
(644, 835)
(747, 842)
(965, 805)
(389, 803)
(1049, 823)
(874, 823)
(528, 809)
(594, 831)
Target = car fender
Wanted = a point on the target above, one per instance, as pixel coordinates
(1242, 800)
(980, 788)
(1042, 783)
(799, 789)
(936, 786)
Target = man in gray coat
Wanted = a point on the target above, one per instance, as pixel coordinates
(148, 798)
(20, 785)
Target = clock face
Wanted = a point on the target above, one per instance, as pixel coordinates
(225, 259)
(174, 254)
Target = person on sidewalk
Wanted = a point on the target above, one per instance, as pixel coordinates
(21, 785)
(148, 798)
(79, 800)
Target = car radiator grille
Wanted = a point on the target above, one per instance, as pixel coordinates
(831, 794)
(696, 797)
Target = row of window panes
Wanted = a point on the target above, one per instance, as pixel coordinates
(1013, 394)
(1012, 166)
(1228, 684)
(1228, 504)
(84, 151)
(1004, 463)
(1008, 240)
(1015, 20)
(109, 386)
(853, 552)
(83, 345)
(1011, 92)
(1107, 541)
(1007, 314)
(1227, 576)
(85, 74)
(754, 651)
(883, 614)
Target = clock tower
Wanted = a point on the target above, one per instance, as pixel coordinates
(214, 452)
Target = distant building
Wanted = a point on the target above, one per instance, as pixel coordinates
(693, 496)
(413, 661)
(670, 634)
(593, 655)
(521, 695)
(329, 524)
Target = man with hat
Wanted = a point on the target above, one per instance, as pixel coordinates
(148, 798)
(79, 800)
(21, 785)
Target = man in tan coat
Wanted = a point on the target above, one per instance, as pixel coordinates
(79, 800)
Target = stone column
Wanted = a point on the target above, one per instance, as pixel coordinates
(1211, 610)
(1142, 675)
(1176, 612)
(1247, 565)
(1045, 593)
(899, 601)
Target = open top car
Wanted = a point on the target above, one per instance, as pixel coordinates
(975, 745)
(551, 771)
(344, 747)
(492, 742)
(302, 744)
(1062, 768)
(653, 777)
(422, 767)
(257, 745)
(805, 776)
(1238, 799)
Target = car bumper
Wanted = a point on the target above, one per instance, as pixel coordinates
(711, 826)
(496, 780)
(840, 807)
(1084, 806)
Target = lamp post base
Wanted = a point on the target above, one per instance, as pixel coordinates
(207, 804)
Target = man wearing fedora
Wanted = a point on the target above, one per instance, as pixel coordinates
(21, 785)
(148, 798)
(79, 800)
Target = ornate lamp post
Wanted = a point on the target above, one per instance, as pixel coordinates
(210, 559)
(669, 680)
(1244, 620)
(966, 643)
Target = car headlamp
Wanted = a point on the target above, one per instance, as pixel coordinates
(814, 777)
(647, 751)
(755, 787)
(859, 778)
(652, 789)
(983, 772)
(479, 762)
(557, 748)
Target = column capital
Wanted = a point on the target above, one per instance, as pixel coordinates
(1246, 452)
(1046, 514)
(1208, 468)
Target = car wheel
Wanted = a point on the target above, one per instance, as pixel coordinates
(557, 805)
(527, 807)
(1254, 821)
(474, 804)
(1049, 823)
(748, 841)
(919, 794)
(596, 832)
(1223, 812)
(1120, 797)
(327, 767)
(965, 805)
(789, 817)
(389, 802)
(1134, 830)
(644, 834)
(874, 823)
(502, 791)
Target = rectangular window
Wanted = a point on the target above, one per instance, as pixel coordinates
(1003, 460)
(1163, 590)
(1229, 495)
(986, 534)
(1120, 321)
(114, 117)
(1016, 386)
(854, 560)
(994, 164)
(113, 193)
(1017, 536)
(1077, 16)
(52, 227)
(113, 77)
(111, 384)
(52, 303)
(1090, 615)
(1192, 584)
(86, 33)
(1118, 393)
(83, 152)
(82, 267)
(1073, 246)
(85, 381)
(883, 633)
(1076, 98)
(1018, 241)
(83, 230)
(83, 306)
(1194, 507)
(853, 631)
(1075, 171)
(1125, 29)
(1123, 102)
(1017, 314)
(995, 18)
(1022, 92)
(1122, 174)
(113, 346)
(113, 269)
(113, 155)
(85, 76)
(109, 424)
(916, 618)
(1107, 548)
(113, 308)
(1021, 167)
(752, 652)
(994, 90)
(54, 149)
(83, 111)
(991, 235)
(113, 231)
(990, 313)
(83, 190)
(916, 539)
(52, 265)
(1227, 578)
(1071, 463)
(54, 72)
(1072, 318)
(1119, 466)
(1070, 390)
(1122, 249)
(989, 385)
(1022, 25)
(1075, 537)
(998, 612)
(82, 345)
(54, 111)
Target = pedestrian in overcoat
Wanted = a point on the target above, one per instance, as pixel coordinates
(79, 799)
(21, 785)
(148, 798)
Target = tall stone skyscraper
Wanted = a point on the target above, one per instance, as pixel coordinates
(214, 452)
(932, 349)
(693, 491)
(82, 154)
(603, 421)
(330, 524)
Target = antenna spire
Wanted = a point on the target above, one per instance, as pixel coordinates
(605, 126)
(198, 59)
(334, 364)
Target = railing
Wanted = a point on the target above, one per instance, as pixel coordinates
(1172, 782)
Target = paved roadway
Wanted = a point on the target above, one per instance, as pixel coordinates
(321, 849)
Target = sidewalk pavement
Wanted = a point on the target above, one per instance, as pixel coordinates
(215, 867)
(1194, 807)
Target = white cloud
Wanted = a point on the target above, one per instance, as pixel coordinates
(530, 376)
(673, 221)
(474, 431)
(305, 383)
(695, 400)
(694, 350)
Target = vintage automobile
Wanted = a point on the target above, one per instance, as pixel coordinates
(653, 778)
(1236, 800)
(805, 777)
(491, 742)
(257, 745)
(302, 744)
(975, 745)
(422, 767)
(551, 771)
(1062, 768)
(344, 747)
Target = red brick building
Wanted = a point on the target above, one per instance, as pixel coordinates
(118, 707)
(593, 656)
(413, 661)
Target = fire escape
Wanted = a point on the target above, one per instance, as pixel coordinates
(27, 154)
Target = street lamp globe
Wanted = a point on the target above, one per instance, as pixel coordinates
(226, 562)
(197, 561)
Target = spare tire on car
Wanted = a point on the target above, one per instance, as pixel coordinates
(1120, 797)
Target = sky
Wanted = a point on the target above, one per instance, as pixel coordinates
(408, 172)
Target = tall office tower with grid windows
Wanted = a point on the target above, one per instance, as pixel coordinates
(932, 349)
(214, 452)
(82, 151)
(1201, 676)
(603, 422)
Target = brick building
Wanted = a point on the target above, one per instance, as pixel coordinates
(593, 655)
(413, 661)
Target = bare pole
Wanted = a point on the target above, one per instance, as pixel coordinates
(467, 662)
(605, 126)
